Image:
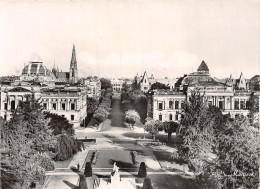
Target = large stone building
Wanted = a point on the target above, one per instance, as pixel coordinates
(69, 102)
(165, 105)
(68, 99)
(117, 84)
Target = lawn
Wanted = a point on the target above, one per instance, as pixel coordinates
(106, 159)
(169, 181)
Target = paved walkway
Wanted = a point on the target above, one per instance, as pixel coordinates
(113, 135)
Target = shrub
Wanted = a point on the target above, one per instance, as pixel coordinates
(66, 147)
(142, 170)
(147, 183)
(44, 161)
(88, 170)
(134, 156)
(82, 181)
(94, 157)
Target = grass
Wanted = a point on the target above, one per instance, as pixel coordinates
(106, 159)
(173, 182)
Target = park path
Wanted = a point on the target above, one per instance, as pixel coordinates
(108, 137)
(116, 116)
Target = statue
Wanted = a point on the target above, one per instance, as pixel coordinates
(115, 177)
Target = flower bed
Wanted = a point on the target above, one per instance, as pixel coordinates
(134, 156)
(94, 157)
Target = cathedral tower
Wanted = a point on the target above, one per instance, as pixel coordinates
(73, 67)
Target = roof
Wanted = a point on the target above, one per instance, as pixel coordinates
(144, 76)
(63, 75)
(19, 89)
(35, 68)
(203, 67)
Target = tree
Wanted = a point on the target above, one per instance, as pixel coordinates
(147, 183)
(100, 115)
(29, 142)
(142, 170)
(238, 154)
(153, 126)
(140, 105)
(59, 124)
(92, 104)
(125, 87)
(66, 147)
(82, 181)
(132, 117)
(88, 170)
(253, 109)
(105, 83)
(135, 85)
(158, 85)
(170, 127)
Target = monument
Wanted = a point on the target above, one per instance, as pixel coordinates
(115, 176)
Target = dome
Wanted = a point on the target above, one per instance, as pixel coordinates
(197, 78)
(35, 68)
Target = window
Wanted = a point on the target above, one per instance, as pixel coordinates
(209, 103)
(72, 106)
(247, 104)
(62, 115)
(176, 104)
(182, 105)
(72, 117)
(160, 106)
(220, 105)
(160, 117)
(5, 106)
(171, 104)
(4, 117)
(45, 106)
(176, 116)
(54, 106)
(242, 105)
(236, 105)
(63, 106)
(170, 117)
(12, 105)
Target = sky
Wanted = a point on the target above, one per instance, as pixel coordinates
(120, 38)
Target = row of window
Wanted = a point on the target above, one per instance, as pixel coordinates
(117, 84)
(116, 88)
(63, 106)
(172, 105)
(170, 117)
(241, 105)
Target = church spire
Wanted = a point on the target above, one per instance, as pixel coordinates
(73, 62)
(73, 67)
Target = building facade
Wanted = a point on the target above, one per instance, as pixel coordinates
(117, 84)
(68, 102)
(67, 98)
(93, 86)
(165, 105)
